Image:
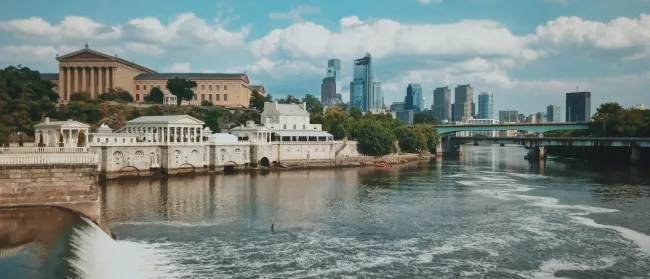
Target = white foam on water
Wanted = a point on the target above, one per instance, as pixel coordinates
(98, 256)
(641, 240)
(548, 268)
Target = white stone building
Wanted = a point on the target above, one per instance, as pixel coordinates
(56, 132)
(287, 135)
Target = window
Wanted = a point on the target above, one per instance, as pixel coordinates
(217, 87)
(99, 140)
(137, 87)
(210, 97)
(202, 97)
(225, 87)
(194, 97)
(284, 127)
(216, 97)
(123, 140)
(137, 97)
(210, 86)
(202, 86)
(114, 139)
(304, 127)
(225, 97)
(144, 87)
(294, 127)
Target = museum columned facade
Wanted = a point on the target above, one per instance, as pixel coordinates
(90, 71)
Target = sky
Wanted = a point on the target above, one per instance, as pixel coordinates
(529, 53)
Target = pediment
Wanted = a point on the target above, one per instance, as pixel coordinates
(188, 120)
(87, 55)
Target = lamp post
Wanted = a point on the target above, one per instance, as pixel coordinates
(604, 130)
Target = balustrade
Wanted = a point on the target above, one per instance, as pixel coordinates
(32, 150)
(49, 159)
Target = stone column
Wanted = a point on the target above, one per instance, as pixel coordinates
(113, 77)
(100, 83)
(83, 80)
(86, 136)
(635, 155)
(201, 135)
(93, 93)
(76, 79)
(69, 137)
(68, 83)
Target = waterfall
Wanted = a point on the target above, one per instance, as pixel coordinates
(96, 255)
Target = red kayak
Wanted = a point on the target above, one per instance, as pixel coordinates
(383, 165)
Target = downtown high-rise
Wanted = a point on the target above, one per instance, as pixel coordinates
(485, 105)
(463, 99)
(578, 107)
(332, 84)
(361, 87)
(442, 103)
(414, 99)
(509, 116)
(553, 113)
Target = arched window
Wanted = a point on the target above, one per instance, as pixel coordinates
(194, 152)
(237, 150)
(139, 153)
(117, 154)
(177, 152)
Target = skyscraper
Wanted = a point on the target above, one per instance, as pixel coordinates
(578, 106)
(361, 91)
(328, 91)
(485, 105)
(442, 103)
(464, 96)
(553, 113)
(379, 96)
(414, 99)
(509, 116)
(334, 71)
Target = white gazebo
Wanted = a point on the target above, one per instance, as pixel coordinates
(56, 132)
(169, 99)
(167, 129)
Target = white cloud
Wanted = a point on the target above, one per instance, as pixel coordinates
(427, 2)
(619, 33)
(185, 29)
(142, 48)
(388, 37)
(70, 28)
(27, 53)
(279, 69)
(294, 14)
(182, 67)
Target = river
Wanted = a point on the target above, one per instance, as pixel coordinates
(484, 214)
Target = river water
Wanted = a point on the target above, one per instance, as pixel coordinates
(485, 214)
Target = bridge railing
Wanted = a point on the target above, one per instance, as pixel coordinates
(49, 159)
(34, 150)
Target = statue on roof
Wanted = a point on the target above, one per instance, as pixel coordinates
(86, 46)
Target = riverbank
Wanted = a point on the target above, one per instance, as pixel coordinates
(286, 165)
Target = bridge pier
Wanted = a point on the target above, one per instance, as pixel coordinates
(536, 154)
(635, 155)
(445, 147)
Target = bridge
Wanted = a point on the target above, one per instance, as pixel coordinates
(538, 145)
(532, 127)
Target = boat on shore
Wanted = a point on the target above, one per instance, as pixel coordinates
(383, 165)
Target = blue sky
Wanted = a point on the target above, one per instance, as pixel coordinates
(528, 52)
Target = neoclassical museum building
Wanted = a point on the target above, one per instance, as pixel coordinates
(87, 70)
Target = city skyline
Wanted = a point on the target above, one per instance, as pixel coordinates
(527, 55)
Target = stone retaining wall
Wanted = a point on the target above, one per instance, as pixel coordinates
(69, 186)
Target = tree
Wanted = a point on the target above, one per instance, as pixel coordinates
(290, 99)
(116, 94)
(356, 113)
(374, 139)
(314, 105)
(79, 96)
(425, 118)
(81, 139)
(205, 103)
(257, 100)
(409, 141)
(182, 88)
(155, 96)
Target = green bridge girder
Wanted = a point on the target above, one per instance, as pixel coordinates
(537, 128)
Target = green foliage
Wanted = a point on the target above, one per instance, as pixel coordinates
(425, 118)
(356, 113)
(80, 97)
(155, 96)
(290, 99)
(24, 99)
(116, 95)
(374, 139)
(612, 120)
(429, 134)
(410, 141)
(314, 105)
(182, 88)
(205, 103)
(257, 100)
